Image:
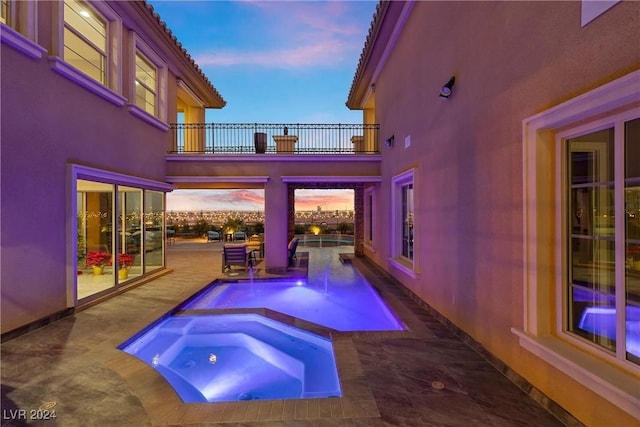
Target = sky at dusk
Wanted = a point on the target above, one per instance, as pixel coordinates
(273, 62)
(253, 200)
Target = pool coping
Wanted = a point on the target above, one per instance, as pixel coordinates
(164, 406)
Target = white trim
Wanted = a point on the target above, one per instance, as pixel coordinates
(370, 204)
(268, 157)
(589, 366)
(396, 258)
(606, 380)
(81, 79)
(315, 178)
(195, 98)
(162, 78)
(93, 174)
(149, 118)
(403, 268)
(77, 172)
(113, 22)
(218, 179)
(72, 244)
(538, 149)
(610, 96)
(21, 43)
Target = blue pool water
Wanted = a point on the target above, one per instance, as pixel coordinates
(225, 357)
(215, 358)
(335, 295)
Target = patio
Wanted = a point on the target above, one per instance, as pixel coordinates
(426, 375)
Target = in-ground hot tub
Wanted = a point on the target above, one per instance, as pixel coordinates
(226, 357)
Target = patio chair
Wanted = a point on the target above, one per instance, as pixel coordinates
(293, 245)
(234, 255)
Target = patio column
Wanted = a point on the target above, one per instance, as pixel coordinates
(276, 225)
(194, 136)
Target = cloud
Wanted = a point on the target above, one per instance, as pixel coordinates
(195, 200)
(323, 53)
(328, 199)
(297, 34)
(253, 199)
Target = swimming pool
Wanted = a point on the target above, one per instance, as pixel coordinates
(228, 356)
(216, 358)
(334, 295)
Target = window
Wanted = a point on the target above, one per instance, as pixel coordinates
(4, 12)
(581, 236)
(402, 222)
(119, 230)
(148, 93)
(19, 27)
(593, 311)
(146, 84)
(369, 217)
(407, 221)
(85, 40)
(87, 47)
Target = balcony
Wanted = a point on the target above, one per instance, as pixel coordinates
(272, 139)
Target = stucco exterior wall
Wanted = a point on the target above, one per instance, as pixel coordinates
(511, 60)
(274, 166)
(47, 123)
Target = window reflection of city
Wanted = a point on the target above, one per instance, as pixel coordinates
(135, 229)
(252, 217)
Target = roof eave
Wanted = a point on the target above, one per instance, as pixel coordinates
(213, 98)
(359, 83)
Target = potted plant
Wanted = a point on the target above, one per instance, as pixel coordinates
(97, 260)
(124, 262)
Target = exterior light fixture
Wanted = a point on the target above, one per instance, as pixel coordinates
(447, 89)
(389, 142)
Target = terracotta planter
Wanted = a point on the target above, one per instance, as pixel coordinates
(285, 143)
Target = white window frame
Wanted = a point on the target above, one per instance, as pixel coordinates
(154, 89)
(159, 119)
(396, 259)
(21, 31)
(541, 333)
(10, 18)
(112, 91)
(370, 218)
(76, 172)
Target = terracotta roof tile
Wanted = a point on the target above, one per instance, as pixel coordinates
(366, 50)
(184, 51)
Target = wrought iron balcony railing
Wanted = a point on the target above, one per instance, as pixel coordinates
(249, 138)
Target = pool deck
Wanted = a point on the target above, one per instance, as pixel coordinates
(428, 375)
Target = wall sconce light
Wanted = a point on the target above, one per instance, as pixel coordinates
(389, 142)
(447, 89)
